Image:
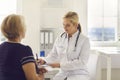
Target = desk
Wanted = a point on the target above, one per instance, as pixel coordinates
(113, 52)
(108, 64)
(113, 59)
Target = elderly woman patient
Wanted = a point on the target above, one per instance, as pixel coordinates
(16, 60)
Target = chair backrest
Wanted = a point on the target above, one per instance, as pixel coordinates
(92, 64)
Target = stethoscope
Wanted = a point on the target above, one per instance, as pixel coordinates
(76, 39)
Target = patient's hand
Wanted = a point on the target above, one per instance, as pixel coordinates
(41, 76)
(42, 70)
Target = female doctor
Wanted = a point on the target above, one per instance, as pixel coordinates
(70, 51)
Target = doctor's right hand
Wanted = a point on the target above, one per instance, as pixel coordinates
(41, 61)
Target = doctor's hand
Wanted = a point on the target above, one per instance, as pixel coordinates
(55, 65)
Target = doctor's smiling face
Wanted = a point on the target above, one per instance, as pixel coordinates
(69, 27)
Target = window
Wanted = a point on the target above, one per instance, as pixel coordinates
(7, 7)
(102, 20)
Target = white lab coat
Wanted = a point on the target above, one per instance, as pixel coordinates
(72, 62)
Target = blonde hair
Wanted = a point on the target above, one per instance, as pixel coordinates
(13, 27)
(74, 18)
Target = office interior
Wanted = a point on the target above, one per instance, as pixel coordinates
(100, 21)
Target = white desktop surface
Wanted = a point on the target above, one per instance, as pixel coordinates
(113, 52)
(109, 50)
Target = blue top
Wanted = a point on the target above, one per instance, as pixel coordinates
(12, 57)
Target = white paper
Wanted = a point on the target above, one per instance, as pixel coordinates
(48, 68)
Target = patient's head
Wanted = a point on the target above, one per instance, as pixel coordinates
(13, 27)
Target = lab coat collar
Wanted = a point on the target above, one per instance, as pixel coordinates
(75, 34)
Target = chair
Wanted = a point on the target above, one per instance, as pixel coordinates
(92, 64)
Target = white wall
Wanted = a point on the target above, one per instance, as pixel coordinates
(52, 15)
(40, 13)
(31, 11)
(80, 6)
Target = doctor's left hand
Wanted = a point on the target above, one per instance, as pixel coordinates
(55, 65)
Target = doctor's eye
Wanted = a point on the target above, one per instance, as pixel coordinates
(66, 26)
